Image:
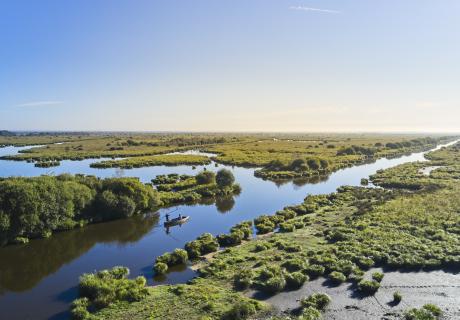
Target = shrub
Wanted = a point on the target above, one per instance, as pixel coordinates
(269, 271)
(164, 258)
(241, 310)
(286, 214)
(265, 228)
(318, 301)
(368, 287)
(160, 268)
(299, 224)
(260, 246)
(274, 284)
(232, 239)
(427, 312)
(357, 275)
(292, 248)
(264, 224)
(193, 249)
(310, 313)
(204, 244)
(314, 163)
(287, 227)
(434, 309)
(245, 227)
(337, 277)
(224, 178)
(377, 276)
(294, 264)
(109, 286)
(79, 309)
(243, 279)
(314, 270)
(397, 297)
(365, 262)
(296, 279)
(179, 256)
(205, 177)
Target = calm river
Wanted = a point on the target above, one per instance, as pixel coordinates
(38, 280)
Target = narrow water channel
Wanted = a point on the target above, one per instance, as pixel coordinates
(38, 280)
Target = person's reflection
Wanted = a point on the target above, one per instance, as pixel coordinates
(169, 227)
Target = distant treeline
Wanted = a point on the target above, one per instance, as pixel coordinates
(371, 151)
(38, 206)
(6, 133)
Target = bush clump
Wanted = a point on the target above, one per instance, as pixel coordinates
(177, 257)
(264, 224)
(109, 286)
(310, 313)
(368, 287)
(287, 227)
(243, 279)
(160, 268)
(274, 284)
(261, 246)
(205, 177)
(286, 214)
(365, 262)
(241, 310)
(397, 297)
(427, 312)
(314, 270)
(245, 227)
(295, 264)
(318, 301)
(225, 178)
(233, 239)
(204, 244)
(337, 277)
(79, 309)
(377, 276)
(296, 279)
(271, 279)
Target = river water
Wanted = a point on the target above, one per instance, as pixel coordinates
(39, 280)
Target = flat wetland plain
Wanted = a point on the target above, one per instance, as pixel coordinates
(311, 237)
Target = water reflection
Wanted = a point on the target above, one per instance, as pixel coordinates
(225, 204)
(42, 257)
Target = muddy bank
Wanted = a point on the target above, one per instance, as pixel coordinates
(417, 288)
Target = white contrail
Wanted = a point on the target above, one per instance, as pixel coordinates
(313, 9)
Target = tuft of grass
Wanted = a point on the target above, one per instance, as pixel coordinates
(397, 297)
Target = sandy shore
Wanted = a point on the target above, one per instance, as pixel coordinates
(417, 288)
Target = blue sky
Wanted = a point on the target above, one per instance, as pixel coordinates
(230, 65)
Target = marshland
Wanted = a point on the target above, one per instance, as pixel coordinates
(111, 217)
(229, 160)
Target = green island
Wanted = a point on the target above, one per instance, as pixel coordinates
(38, 206)
(157, 160)
(413, 226)
(176, 189)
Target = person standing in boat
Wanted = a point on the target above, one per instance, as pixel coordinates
(167, 217)
(180, 216)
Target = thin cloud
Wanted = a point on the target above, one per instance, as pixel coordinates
(40, 103)
(302, 8)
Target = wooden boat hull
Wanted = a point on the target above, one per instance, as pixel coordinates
(175, 222)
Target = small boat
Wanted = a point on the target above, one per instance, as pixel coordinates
(176, 221)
